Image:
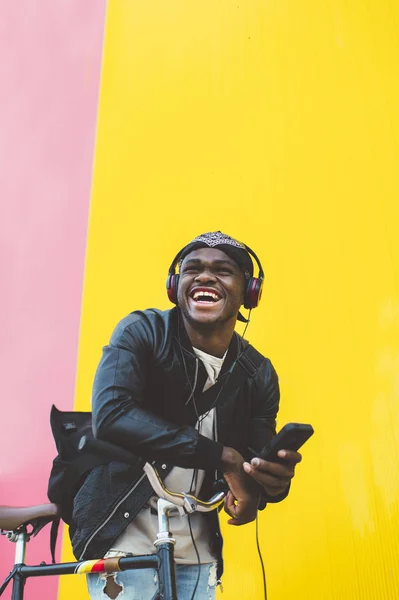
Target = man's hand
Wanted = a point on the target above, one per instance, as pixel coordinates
(273, 477)
(241, 502)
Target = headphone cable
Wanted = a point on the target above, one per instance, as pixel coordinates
(247, 323)
(260, 554)
(193, 487)
(198, 557)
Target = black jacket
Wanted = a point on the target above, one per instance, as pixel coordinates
(141, 388)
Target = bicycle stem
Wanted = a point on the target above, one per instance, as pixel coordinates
(165, 548)
(163, 535)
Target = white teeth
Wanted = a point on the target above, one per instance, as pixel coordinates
(203, 294)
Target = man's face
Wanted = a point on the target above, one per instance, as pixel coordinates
(211, 287)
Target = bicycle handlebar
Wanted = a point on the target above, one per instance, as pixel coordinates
(188, 502)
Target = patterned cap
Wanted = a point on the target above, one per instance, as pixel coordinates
(228, 245)
(217, 238)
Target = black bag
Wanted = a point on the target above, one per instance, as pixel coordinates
(71, 466)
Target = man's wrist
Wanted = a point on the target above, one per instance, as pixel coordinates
(231, 461)
(274, 498)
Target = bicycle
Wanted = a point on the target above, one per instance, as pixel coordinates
(14, 523)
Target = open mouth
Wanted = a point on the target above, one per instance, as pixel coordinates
(203, 296)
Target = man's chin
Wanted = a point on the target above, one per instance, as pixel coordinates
(203, 318)
(208, 318)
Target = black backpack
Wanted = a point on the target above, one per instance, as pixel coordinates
(71, 466)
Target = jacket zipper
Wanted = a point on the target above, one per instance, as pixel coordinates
(111, 515)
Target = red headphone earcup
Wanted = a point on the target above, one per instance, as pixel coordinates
(172, 283)
(253, 292)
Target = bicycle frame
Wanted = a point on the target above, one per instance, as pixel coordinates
(162, 561)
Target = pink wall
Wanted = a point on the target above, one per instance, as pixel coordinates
(49, 83)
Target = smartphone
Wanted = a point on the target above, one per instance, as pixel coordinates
(291, 437)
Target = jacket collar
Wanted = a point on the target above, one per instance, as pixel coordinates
(235, 348)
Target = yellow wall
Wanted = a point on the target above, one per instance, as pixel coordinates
(278, 123)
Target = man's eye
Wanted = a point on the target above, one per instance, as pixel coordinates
(191, 270)
(225, 271)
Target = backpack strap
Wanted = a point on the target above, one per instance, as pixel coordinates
(250, 360)
(53, 537)
(246, 365)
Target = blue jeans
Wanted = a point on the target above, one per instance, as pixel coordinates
(142, 584)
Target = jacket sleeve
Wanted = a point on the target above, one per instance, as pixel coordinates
(265, 405)
(119, 412)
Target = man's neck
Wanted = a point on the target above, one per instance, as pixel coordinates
(214, 341)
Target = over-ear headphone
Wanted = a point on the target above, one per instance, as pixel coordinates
(253, 290)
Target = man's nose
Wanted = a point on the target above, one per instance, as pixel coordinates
(205, 276)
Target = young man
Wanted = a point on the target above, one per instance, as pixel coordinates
(162, 392)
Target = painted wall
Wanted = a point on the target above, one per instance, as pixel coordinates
(49, 81)
(278, 123)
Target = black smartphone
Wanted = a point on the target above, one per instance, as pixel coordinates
(291, 437)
